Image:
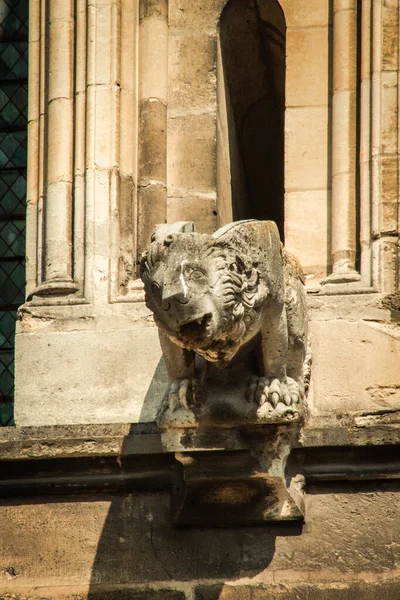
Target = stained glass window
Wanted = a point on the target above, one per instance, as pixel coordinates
(13, 134)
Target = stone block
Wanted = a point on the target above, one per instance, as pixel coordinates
(129, 40)
(389, 186)
(104, 34)
(306, 148)
(192, 153)
(153, 59)
(59, 143)
(223, 592)
(316, 15)
(339, 522)
(185, 14)
(330, 591)
(355, 366)
(152, 210)
(127, 540)
(390, 36)
(101, 100)
(308, 244)
(61, 67)
(390, 43)
(192, 78)
(97, 593)
(61, 11)
(307, 62)
(135, 594)
(386, 250)
(344, 5)
(152, 140)
(153, 8)
(104, 376)
(344, 48)
(203, 211)
(389, 113)
(127, 136)
(386, 590)
(344, 132)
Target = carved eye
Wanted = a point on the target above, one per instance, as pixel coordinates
(196, 275)
(155, 288)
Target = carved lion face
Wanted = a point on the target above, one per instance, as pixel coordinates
(199, 293)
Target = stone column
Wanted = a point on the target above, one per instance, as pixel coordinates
(35, 92)
(57, 276)
(153, 90)
(365, 144)
(344, 158)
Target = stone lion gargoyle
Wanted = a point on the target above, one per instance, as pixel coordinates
(230, 297)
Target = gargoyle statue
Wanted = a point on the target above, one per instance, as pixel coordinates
(217, 296)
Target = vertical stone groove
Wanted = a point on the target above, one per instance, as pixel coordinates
(365, 143)
(33, 177)
(56, 147)
(124, 227)
(79, 216)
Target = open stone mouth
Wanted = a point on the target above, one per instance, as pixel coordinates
(195, 329)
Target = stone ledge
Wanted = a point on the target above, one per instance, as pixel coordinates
(73, 459)
(97, 593)
(385, 590)
(123, 439)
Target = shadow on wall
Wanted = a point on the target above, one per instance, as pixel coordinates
(139, 545)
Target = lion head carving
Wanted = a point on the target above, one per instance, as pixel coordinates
(207, 291)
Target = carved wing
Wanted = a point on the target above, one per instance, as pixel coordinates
(258, 245)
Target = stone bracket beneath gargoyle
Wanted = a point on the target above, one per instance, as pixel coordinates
(228, 488)
(243, 483)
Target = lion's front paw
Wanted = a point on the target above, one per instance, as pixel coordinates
(182, 393)
(269, 393)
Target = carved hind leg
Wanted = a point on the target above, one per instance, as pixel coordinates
(296, 310)
(274, 343)
(274, 391)
(295, 365)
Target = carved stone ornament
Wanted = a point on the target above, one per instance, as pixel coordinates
(232, 319)
(231, 313)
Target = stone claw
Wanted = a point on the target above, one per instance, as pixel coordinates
(266, 392)
(257, 390)
(182, 392)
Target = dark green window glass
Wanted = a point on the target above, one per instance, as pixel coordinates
(13, 135)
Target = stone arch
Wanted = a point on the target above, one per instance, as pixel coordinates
(251, 75)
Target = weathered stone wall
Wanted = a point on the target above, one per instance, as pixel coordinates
(148, 112)
(85, 512)
(90, 547)
(138, 95)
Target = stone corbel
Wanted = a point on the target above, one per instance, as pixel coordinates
(225, 487)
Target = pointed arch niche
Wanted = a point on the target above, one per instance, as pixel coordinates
(251, 109)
